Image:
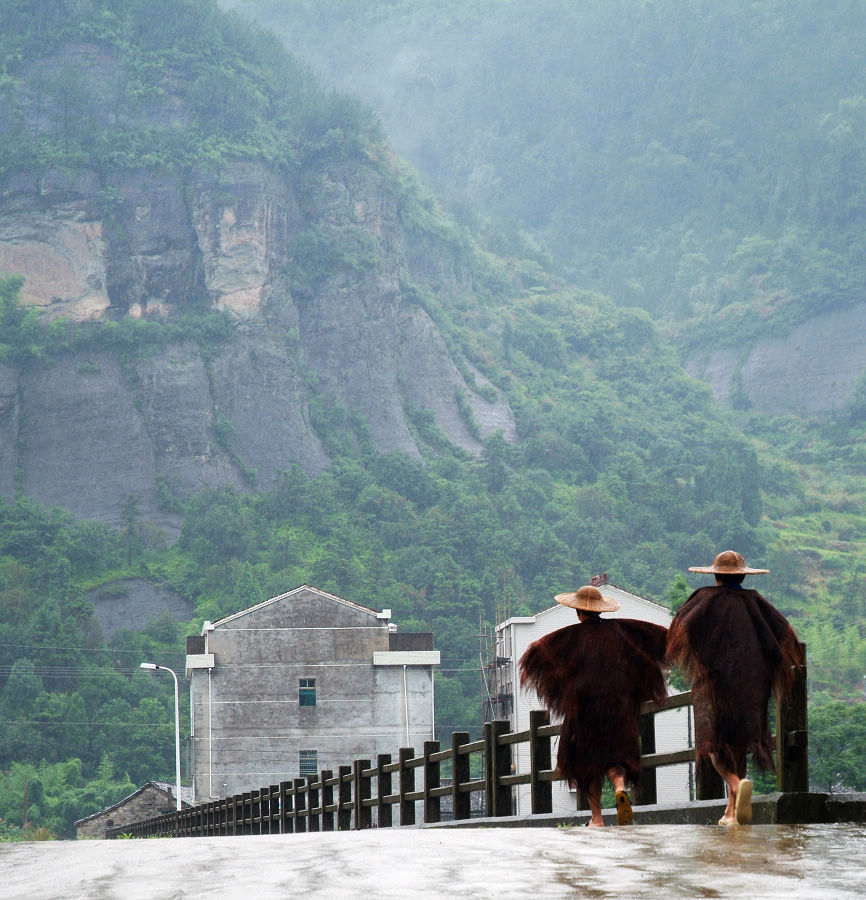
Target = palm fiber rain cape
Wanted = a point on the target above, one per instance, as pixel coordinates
(595, 675)
(736, 649)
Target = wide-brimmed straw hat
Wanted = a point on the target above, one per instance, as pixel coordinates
(587, 598)
(729, 562)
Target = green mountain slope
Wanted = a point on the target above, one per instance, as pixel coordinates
(703, 161)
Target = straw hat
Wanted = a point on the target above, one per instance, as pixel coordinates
(728, 562)
(587, 598)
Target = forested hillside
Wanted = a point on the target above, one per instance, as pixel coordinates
(540, 432)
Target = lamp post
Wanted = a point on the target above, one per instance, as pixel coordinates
(176, 725)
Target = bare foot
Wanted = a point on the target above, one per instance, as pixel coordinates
(743, 805)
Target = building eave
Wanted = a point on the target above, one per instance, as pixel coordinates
(288, 595)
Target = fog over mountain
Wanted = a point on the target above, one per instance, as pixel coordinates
(705, 161)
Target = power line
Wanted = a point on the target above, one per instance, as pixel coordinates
(85, 649)
(43, 724)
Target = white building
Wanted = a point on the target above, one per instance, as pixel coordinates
(303, 682)
(510, 701)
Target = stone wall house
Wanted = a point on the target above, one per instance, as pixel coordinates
(510, 701)
(302, 683)
(153, 799)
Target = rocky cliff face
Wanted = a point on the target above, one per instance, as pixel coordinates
(811, 371)
(313, 269)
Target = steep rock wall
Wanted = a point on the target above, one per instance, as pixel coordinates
(810, 371)
(89, 429)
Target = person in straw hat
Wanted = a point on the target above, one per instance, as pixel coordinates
(595, 674)
(736, 649)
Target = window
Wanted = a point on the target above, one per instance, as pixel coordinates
(307, 692)
(308, 762)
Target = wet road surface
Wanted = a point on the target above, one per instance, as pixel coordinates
(814, 862)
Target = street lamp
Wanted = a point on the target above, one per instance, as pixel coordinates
(176, 725)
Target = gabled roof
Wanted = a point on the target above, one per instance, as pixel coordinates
(289, 594)
(621, 595)
(656, 610)
(163, 786)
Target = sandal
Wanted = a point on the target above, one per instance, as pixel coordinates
(624, 813)
(743, 807)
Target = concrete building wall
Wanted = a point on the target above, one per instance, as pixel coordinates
(250, 725)
(673, 727)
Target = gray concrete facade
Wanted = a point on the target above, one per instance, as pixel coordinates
(303, 682)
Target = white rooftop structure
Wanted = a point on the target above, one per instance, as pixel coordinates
(510, 701)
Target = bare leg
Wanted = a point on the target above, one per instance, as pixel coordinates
(593, 795)
(732, 780)
(616, 774)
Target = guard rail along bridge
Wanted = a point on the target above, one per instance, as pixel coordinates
(344, 800)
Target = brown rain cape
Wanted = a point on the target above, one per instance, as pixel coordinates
(736, 648)
(595, 675)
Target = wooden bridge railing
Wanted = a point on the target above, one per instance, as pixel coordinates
(346, 800)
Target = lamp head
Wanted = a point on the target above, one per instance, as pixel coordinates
(148, 666)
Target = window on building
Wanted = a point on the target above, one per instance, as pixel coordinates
(307, 692)
(308, 762)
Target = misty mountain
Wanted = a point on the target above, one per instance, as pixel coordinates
(704, 161)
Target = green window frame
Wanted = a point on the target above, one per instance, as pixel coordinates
(307, 692)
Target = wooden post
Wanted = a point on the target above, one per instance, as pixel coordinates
(792, 736)
(541, 792)
(709, 785)
(272, 818)
(432, 779)
(384, 810)
(236, 827)
(362, 791)
(256, 817)
(313, 811)
(327, 800)
(246, 813)
(581, 800)
(300, 810)
(497, 763)
(406, 780)
(344, 798)
(286, 808)
(460, 775)
(648, 791)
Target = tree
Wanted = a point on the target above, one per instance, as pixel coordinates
(248, 591)
(130, 520)
(837, 746)
(677, 593)
(21, 334)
